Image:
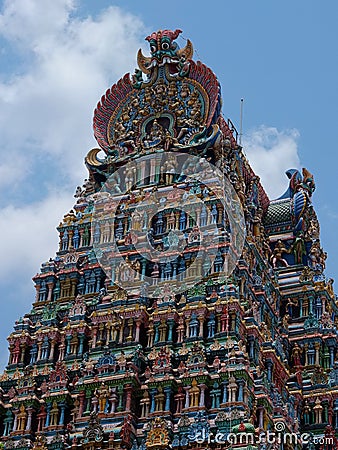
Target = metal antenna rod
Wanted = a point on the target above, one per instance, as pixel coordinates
(241, 123)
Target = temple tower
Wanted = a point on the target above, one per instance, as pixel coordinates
(183, 308)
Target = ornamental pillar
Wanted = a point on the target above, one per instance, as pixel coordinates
(10, 358)
(331, 350)
(187, 322)
(16, 353)
(94, 336)
(130, 326)
(50, 287)
(251, 346)
(73, 283)
(137, 331)
(201, 323)
(186, 388)
(100, 333)
(335, 410)
(121, 331)
(156, 326)
(167, 391)
(246, 395)
(233, 322)
(81, 342)
(157, 171)
(317, 346)
(113, 400)
(29, 418)
(98, 282)
(325, 413)
(180, 331)
(269, 365)
(143, 269)
(240, 391)
(150, 334)
(120, 394)
(261, 417)
(22, 352)
(39, 350)
(161, 267)
(37, 295)
(88, 403)
(15, 424)
(162, 330)
(128, 389)
(300, 302)
(62, 349)
(202, 395)
(152, 403)
(52, 349)
(310, 306)
(152, 170)
(171, 324)
(198, 212)
(174, 275)
(49, 406)
(225, 392)
(81, 403)
(95, 402)
(68, 339)
(62, 413)
(113, 274)
(140, 181)
(306, 347)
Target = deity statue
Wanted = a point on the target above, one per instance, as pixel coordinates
(102, 393)
(298, 248)
(296, 355)
(194, 393)
(277, 256)
(130, 175)
(169, 169)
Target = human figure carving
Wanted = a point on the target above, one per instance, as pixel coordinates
(277, 256)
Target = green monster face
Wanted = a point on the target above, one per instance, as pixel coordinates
(163, 48)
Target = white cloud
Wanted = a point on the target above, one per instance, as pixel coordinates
(68, 64)
(31, 235)
(271, 152)
(23, 21)
(12, 170)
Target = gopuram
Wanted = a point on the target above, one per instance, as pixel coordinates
(184, 308)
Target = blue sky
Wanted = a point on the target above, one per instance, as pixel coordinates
(58, 58)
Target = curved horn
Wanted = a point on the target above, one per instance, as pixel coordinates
(92, 159)
(306, 173)
(143, 62)
(187, 51)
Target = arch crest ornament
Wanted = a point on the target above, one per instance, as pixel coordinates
(170, 103)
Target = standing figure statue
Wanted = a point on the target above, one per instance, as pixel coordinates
(277, 256)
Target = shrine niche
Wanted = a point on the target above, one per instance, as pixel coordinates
(158, 436)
